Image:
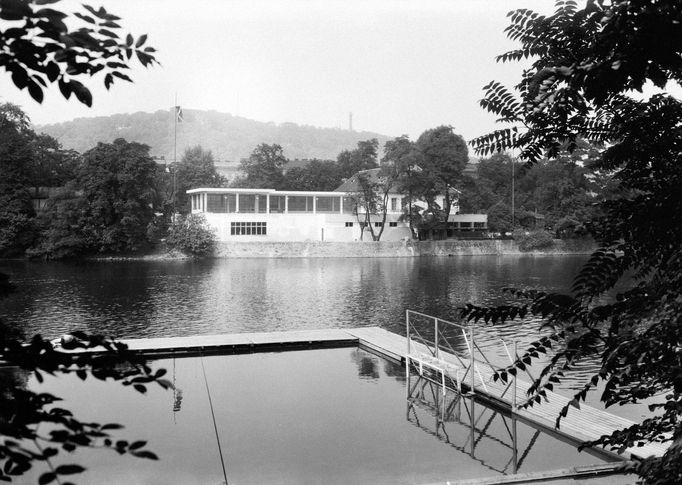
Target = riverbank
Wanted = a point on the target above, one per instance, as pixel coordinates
(392, 249)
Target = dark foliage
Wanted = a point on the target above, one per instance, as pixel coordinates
(584, 63)
(364, 157)
(264, 169)
(117, 180)
(25, 443)
(38, 47)
(443, 154)
(195, 169)
(323, 175)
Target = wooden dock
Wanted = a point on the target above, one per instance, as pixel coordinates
(583, 424)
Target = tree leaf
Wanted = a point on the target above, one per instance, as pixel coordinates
(69, 469)
(46, 478)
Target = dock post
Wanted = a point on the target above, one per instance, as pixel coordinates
(407, 323)
(473, 362)
(435, 336)
(516, 357)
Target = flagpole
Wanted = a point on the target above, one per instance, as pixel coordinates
(175, 154)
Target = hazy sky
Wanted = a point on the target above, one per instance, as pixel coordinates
(399, 66)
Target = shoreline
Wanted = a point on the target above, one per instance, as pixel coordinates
(356, 249)
(393, 249)
(366, 249)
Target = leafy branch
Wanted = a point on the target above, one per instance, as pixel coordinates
(38, 48)
(23, 411)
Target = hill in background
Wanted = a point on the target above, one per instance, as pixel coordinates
(230, 138)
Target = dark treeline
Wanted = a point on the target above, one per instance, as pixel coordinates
(113, 198)
(559, 194)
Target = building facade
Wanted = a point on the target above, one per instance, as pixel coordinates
(251, 215)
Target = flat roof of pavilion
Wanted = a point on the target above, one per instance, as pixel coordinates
(224, 190)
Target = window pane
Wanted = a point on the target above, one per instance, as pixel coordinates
(348, 205)
(326, 204)
(300, 203)
(215, 203)
(247, 203)
(261, 203)
(277, 203)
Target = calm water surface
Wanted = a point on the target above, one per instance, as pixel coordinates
(279, 421)
(153, 299)
(128, 299)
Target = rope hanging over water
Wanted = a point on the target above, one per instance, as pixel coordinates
(215, 427)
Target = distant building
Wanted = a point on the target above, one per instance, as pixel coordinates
(282, 216)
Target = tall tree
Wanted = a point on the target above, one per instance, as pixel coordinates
(364, 157)
(16, 210)
(370, 198)
(118, 183)
(585, 63)
(323, 175)
(51, 166)
(195, 169)
(264, 169)
(401, 161)
(442, 156)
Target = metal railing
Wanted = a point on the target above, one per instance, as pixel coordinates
(429, 337)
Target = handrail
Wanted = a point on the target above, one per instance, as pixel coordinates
(471, 364)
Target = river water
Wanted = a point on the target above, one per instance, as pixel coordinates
(128, 299)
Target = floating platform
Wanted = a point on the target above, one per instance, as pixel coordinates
(581, 424)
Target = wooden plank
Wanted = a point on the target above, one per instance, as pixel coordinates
(239, 341)
(595, 472)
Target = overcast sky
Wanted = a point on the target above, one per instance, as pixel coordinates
(400, 66)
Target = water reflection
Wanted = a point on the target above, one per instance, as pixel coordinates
(129, 299)
(146, 299)
(492, 437)
(318, 416)
(368, 365)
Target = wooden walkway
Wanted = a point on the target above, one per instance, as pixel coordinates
(583, 424)
(242, 342)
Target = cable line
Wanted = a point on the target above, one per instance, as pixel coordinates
(215, 427)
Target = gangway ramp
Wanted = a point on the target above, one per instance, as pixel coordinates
(581, 424)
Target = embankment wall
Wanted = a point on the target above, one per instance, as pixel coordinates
(389, 249)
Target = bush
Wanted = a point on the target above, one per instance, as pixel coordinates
(61, 228)
(191, 235)
(570, 228)
(534, 240)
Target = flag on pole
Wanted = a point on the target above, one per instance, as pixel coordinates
(178, 114)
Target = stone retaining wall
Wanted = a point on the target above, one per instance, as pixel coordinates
(388, 249)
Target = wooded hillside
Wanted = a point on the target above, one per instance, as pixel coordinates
(230, 138)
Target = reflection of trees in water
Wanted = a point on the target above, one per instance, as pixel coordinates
(368, 365)
(12, 378)
(146, 299)
(100, 298)
(394, 370)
